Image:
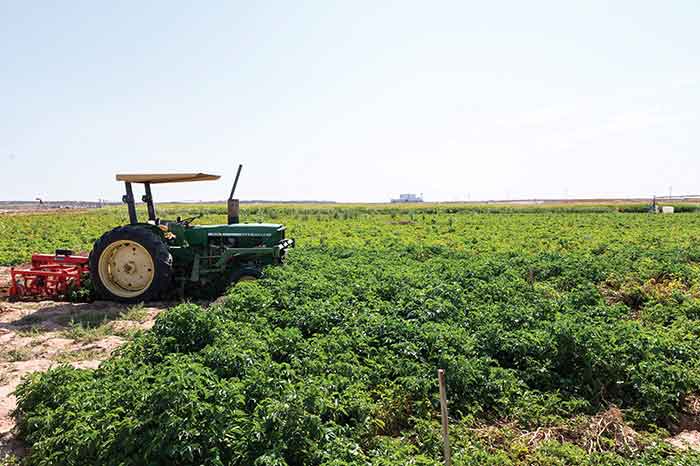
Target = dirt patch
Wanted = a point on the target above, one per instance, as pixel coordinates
(35, 336)
(688, 439)
(4, 282)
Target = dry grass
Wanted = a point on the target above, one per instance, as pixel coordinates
(16, 354)
(80, 355)
(85, 333)
(137, 312)
(691, 404)
(606, 431)
(634, 293)
(544, 434)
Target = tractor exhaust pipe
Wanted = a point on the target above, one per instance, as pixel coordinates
(234, 208)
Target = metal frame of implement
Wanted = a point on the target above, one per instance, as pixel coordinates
(50, 276)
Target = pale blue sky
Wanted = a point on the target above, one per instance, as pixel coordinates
(352, 100)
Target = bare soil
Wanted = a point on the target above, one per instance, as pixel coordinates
(688, 439)
(4, 282)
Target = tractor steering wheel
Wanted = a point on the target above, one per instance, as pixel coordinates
(189, 220)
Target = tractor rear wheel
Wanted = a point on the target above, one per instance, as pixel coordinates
(131, 264)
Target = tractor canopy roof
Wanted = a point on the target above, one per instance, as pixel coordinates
(154, 178)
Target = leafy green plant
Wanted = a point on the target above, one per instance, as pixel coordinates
(86, 333)
(136, 312)
(544, 323)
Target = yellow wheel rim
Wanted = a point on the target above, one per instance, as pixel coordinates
(247, 278)
(126, 269)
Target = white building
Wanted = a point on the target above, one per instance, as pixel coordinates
(408, 198)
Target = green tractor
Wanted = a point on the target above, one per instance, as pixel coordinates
(145, 261)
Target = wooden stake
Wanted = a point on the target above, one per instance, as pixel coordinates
(443, 415)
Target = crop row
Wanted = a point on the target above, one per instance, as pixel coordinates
(544, 323)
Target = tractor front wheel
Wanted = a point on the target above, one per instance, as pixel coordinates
(131, 264)
(245, 274)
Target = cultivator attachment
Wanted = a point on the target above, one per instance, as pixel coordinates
(50, 275)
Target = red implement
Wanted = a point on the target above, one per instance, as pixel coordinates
(50, 276)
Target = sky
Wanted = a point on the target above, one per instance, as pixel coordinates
(351, 100)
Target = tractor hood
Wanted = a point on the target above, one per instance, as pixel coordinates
(249, 234)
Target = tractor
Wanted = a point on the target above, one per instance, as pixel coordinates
(145, 261)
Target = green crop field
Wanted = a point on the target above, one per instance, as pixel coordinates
(569, 336)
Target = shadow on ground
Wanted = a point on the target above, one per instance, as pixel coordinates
(58, 316)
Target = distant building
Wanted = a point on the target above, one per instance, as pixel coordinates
(408, 198)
